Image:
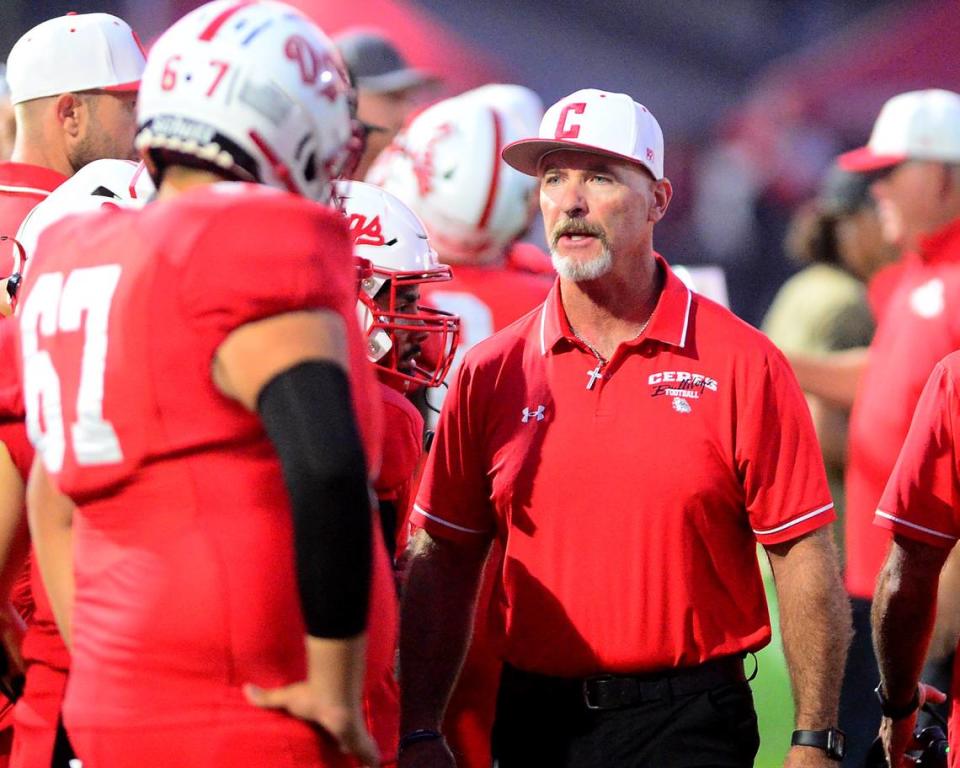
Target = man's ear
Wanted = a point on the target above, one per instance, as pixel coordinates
(71, 112)
(662, 195)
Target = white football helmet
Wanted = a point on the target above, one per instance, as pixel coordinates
(117, 183)
(388, 235)
(446, 166)
(254, 90)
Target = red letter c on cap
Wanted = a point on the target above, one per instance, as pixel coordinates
(564, 132)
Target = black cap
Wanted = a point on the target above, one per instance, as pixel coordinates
(843, 192)
(376, 64)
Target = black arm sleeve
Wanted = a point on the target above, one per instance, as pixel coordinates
(308, 414)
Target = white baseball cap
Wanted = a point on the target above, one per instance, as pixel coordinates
(917, 125)
(594, 121)
(76, 52)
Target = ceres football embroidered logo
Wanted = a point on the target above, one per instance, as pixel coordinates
(682, 388)
(536, 415)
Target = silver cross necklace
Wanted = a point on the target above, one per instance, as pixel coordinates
(597, 373)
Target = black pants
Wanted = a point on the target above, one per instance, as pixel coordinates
(544, 723)
(859, 708)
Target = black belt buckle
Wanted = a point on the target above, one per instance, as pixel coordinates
(590, 687)
(608, 692)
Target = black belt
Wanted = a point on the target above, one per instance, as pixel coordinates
(607, 692)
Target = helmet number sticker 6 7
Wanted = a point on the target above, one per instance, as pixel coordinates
(57, 304)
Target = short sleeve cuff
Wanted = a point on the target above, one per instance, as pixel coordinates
(797, 526)
(440, 528)
(913, 530)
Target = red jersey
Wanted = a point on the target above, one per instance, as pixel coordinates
(918, 327)
(402, 448)
(185, 582)
(526, 257)
(487, 299)
(46, 659)
(617, 493)
(922, 498)
(22, 186)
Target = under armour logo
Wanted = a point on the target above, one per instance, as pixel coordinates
(537, 414)
(649, 154)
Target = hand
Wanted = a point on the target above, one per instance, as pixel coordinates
(12, 630)
(897, 735)
(343, 722)
(427, 754)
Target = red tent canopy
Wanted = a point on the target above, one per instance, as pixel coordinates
(426, 42)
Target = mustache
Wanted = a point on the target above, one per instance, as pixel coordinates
(576, 227)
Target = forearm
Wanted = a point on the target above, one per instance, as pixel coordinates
(946, 628)
(50, 515)
(14, 534)
(815, 625)
(436, 620)
(834, 377)
(906, 597)
(336, 668)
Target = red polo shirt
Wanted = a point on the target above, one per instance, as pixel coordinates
(922, 498)
(22, 186)
(920, 325)
(629, 512)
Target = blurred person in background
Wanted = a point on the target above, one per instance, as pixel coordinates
(72, 85)
(824, 307)
(8, 123)
(388, 88)
(913, 160)
(446, 166)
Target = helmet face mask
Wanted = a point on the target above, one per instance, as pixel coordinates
(398, 328)
(253, 92)
(410, 343)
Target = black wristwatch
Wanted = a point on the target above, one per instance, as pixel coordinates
(897, 713)
(832, 741)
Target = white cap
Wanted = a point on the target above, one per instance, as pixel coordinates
(594, 121)
(917, 125)
(76, 52)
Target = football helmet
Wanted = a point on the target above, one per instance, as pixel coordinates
(393, 240)
(118, 183)
(446, 166)
(253, 90)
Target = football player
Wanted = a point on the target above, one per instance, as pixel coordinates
(391, 237)
(392, 243)
(446, 166)
(196, 385)
(43, 658)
